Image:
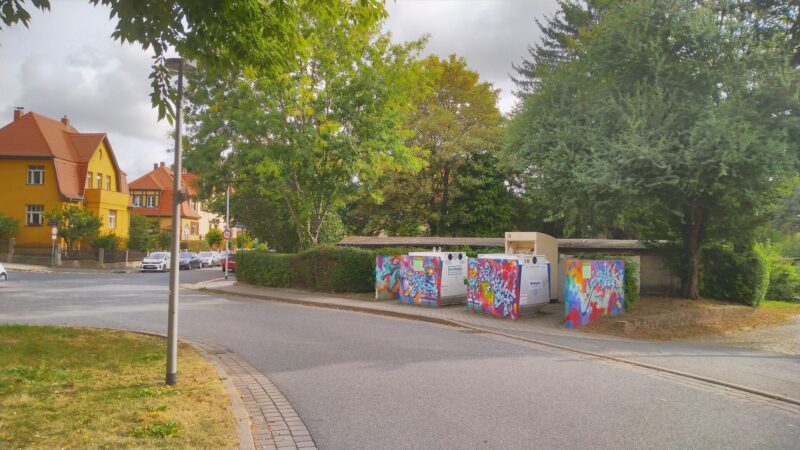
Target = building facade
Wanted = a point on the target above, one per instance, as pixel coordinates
(152, 194)
(46, 164)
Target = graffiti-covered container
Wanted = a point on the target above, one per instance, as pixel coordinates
(592, 289)
(433, 278)
(508, 286)
(387, 277)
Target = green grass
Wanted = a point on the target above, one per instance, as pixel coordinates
(779, 304)
(87, 388)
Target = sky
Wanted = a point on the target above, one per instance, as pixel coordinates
(66, 63)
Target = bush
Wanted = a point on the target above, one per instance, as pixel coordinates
(784, 276)
(738, 276)
(8, 226)
(333, 269)
(107, 241)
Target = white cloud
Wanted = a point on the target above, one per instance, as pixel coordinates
(67, 63)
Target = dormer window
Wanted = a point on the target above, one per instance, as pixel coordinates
(137, 200)
(35, 174)
(150, 201)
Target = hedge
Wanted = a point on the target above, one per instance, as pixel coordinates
(738, 276)
(333, 269)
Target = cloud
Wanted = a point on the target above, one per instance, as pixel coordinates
(489, 34)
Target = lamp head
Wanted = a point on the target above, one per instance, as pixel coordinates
(174, 64)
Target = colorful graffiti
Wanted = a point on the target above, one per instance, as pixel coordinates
(493, 287)
(387, 277)
(593, 289)
(421, 280)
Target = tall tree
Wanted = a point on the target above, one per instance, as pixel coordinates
(314, 138)
(560, 33)
(222, 36)
(457, 125)
(669, 119)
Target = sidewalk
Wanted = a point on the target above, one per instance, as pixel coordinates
(12, 267)
(765, 372)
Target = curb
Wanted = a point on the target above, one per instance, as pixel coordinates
(452, 323)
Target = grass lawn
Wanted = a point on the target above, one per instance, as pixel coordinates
(87, 388)
(742, 318)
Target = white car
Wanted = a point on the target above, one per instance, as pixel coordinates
(156, 262)
(208, 259)
(3, 273)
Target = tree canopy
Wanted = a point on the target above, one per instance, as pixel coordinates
(671, 118)
(315, 138)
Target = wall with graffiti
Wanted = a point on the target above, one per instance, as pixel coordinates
(421, 280)
(593, 289)
(387, 277)
(493, 287)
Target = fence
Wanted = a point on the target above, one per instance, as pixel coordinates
(41, 251)
(79, 255)
(136, 255)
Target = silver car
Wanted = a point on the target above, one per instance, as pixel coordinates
(3, 273)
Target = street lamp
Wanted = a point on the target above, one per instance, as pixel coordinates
(180, 66)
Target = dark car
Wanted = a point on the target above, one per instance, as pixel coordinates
(230, 262)
(190, 261)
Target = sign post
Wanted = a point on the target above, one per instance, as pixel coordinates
(227, 235)
(53, 237)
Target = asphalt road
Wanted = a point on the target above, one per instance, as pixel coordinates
(362, 381)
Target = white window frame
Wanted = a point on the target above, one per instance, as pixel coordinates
(108, 182)
(137, 200)
(150, 201)
(33, 212)
(35, 174)
(112, 219)
(99, 180)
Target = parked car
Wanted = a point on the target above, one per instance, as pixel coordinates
(3, 273)
(230, 261)
(156, 262)
(190, 261)
(208, 259)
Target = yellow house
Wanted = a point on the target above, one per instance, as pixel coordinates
(151, 196)
(46, 163)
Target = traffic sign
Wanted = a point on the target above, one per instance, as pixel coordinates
(227, 235)
(54, 232)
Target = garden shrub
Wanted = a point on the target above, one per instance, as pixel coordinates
(784, 276)
(738, 276)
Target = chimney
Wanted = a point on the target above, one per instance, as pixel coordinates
(155, 166)
(162, 164)
(65, 120)
(18, 112)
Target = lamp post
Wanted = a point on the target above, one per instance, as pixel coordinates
(180, 66)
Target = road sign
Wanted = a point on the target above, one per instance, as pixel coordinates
(53, 223)
(54, 232)
(227, 235)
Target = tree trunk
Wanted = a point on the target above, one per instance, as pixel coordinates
(693, 226)
(445, 197)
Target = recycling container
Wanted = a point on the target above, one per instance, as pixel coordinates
(433, 278)
(508, 286)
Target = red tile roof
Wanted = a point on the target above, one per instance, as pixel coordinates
(35, 136)
(160, 179)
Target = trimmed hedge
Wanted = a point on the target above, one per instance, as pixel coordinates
(738, 276)
(333, 269)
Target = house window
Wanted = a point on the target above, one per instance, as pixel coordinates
(89, 180)
(137, 200)
(194, 206)
(112, 219)
(108, 182)
(35, 174)
(33, 214)
(195, 228)
(99, 181)
(150, 201)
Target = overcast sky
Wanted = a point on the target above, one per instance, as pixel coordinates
(67, 63)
